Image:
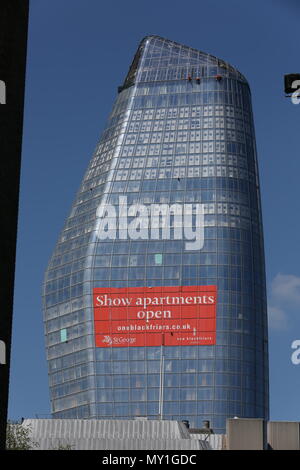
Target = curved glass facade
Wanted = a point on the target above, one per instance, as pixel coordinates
(180, 132)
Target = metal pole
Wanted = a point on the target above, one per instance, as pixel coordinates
(160, 374)
(162, 387)
(161, 380)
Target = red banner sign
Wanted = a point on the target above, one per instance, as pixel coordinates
(152, 316)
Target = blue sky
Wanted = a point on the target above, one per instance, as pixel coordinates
(78, 53)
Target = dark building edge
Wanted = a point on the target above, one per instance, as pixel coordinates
(13, 46)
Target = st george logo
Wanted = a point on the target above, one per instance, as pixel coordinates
(107, 339)
(2, 92)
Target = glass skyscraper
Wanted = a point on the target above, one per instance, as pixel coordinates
(181, 135)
